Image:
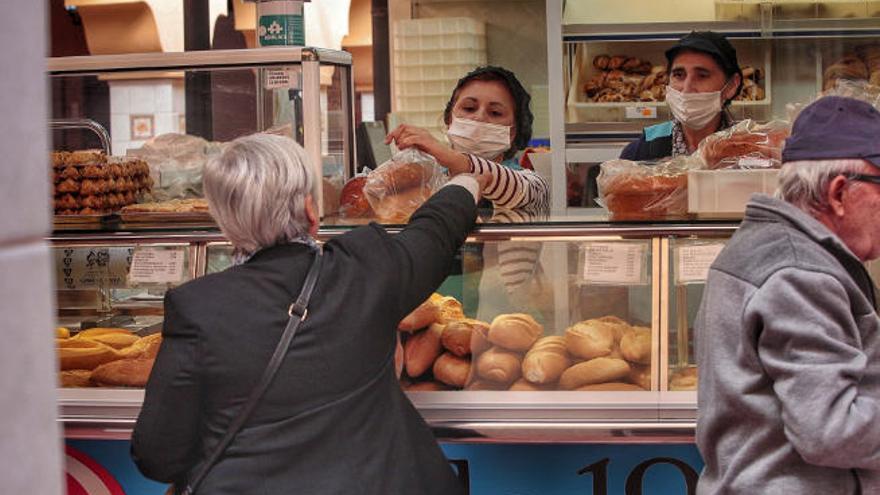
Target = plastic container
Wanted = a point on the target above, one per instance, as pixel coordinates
(724, 193)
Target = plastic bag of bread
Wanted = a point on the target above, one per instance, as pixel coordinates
(352, 200)
(746, 145)
(399, 186)
(645, 190)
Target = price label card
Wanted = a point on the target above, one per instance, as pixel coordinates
(749, 162)
(641, 112)
(617, 263)
(152, 265)
(693, 262)
(282, 78)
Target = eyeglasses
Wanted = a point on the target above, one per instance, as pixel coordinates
(875, 179)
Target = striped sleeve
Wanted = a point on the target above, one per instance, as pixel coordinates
(511, 188)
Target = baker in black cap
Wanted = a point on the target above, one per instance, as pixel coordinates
(788, 343)
(704, 77)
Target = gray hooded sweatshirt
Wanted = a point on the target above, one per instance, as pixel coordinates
(789, 357)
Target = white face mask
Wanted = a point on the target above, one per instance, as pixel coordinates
(694, 110)
(478, 138)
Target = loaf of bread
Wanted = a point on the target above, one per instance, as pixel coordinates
(523, 385)
(640, 375)
(425, 314)
(398, 207)
(123, 373)
(515, 331)
(84, 354)
(74, 378)
(452, 370)
(646, 196)
(636, 345)
(499, 365)
(590, 339)
(352, 200)
(421, 349)
(611, 387)
(117, 338)
(684, 379)
(598, 370)
(546, 360)
(725, 149)
(458, 335)
(145, 347)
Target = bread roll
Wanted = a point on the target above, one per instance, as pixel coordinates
(458, 335)
(450, 309)
(523, 385)
(499, 365)
(684, 379)
(612, 387)
(640, 375)
(428, 386)
(84, 354)
(590, 339)
(485, 385)
(123, 373)
(601, 61)
(452, 370)
(636, 345)
(421, 349)
(516, 331)
(598, 370)
(425, 314)
(74, 378)
(116, 338)
(546, 360)
(62, 333)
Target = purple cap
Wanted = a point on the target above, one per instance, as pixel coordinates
(834, 127)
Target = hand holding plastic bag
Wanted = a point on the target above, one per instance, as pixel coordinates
(399, 186)
(645, 190)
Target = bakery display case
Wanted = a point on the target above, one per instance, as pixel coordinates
(153, 120)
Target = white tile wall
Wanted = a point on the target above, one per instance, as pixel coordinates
(142, 99)
(164, 122)
(162, 98)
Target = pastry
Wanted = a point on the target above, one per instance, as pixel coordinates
(516, 331)
(598, 370)
(498, 365)
(617, 61)
(601, 61)
(84, 157)
(452, 370)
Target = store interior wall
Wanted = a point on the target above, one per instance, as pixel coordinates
(31, 438)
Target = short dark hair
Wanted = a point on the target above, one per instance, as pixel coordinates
(522, 114)
(713, 44)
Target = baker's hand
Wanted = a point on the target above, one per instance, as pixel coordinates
(410, 136)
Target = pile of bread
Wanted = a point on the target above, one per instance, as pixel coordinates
(189, 205)
(861, 65)
(445, 350)
(621, 78)
(105, 357)
(88, 183)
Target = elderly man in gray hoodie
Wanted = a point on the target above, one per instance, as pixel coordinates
(788, 337)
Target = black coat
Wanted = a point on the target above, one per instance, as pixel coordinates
(335, 420)
(654, 143)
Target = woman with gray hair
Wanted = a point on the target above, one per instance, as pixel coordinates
(334, 419)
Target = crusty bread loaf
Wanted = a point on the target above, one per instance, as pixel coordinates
(421, 349)
(590, 339)
(425, 314)
(546, 360)
(352, 200)
(116, 338)
(84, 354)
(515, 331)
(645, 197)
(640, 375)
(460, 334)
(123, 373)
(396, 208)
(684, 379)
(523, 385)
(145, 347)
(611, 387)
(598, 370)
(499, 365)
(74, 378)
(636, 345)
(452, 370)
(450, 309)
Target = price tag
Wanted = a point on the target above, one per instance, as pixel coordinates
(150, 265)
(693, 262)
(282, 78)
(641, 112)
(749, 162)
(617, 263)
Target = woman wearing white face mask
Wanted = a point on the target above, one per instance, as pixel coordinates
(489, 120)
(704, 77)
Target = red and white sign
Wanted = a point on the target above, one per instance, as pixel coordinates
(86, 477)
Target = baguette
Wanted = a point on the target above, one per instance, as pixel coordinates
(598, 370)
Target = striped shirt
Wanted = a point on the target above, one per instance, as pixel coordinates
(511, 188)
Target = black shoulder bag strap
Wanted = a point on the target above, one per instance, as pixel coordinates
(298, 312)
